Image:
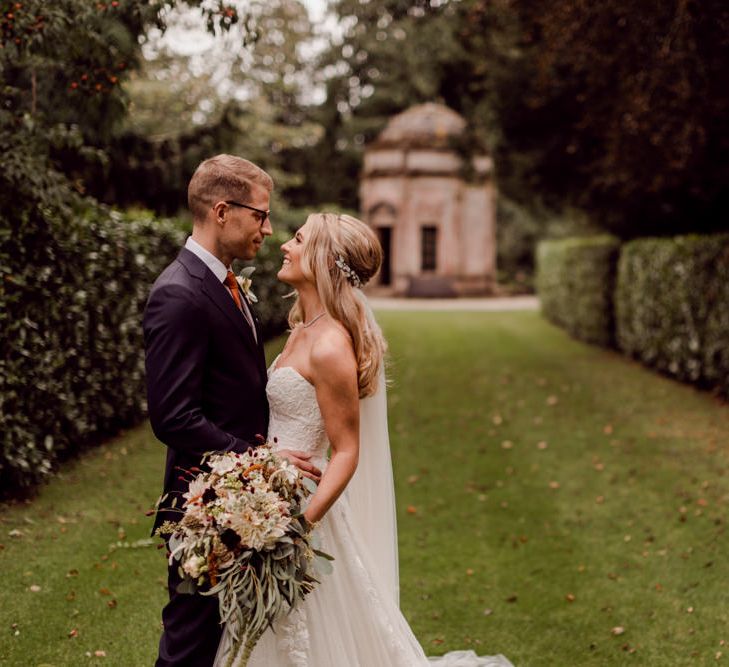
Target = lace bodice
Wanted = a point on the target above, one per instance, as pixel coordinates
(295, 420)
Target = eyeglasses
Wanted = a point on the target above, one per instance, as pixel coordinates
(264, 214)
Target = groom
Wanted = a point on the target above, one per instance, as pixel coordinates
(206, 370)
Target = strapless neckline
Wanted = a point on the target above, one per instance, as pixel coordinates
(275, 367)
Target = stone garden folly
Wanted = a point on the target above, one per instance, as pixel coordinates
(433, 208)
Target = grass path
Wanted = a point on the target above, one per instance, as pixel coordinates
(548, 492)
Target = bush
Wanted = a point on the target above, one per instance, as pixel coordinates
(575, 283)
(672, 306)
(517, 231)
(72, 294)
(71, 298)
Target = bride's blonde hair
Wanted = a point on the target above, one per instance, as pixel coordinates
(340, 252)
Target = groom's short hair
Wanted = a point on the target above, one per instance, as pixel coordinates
(223, 177)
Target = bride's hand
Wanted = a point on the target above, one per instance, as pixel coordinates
(301, 461)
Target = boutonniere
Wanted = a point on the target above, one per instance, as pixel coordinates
(245, 283)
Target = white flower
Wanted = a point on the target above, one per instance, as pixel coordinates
(222, 465)
(287, 471)
(193, 566)
(245, 283)
(197, 487)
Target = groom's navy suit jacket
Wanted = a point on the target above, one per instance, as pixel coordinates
(206, 374)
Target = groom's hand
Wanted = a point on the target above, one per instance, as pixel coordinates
(301, 461)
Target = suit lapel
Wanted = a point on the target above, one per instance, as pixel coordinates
(220, 295)
(222, 298)
(259, 338)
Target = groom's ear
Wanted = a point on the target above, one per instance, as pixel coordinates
(220, 208)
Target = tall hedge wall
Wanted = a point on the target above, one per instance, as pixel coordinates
(71, 298)
(672, 306)
(70, 304)
(575, 283)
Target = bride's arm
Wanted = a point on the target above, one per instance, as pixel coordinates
(334, 375)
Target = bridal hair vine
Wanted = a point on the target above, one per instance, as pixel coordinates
(353, 279)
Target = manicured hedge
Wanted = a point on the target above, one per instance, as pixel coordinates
(72, 293)
(575, 283)
(72, 370)
(672, 306)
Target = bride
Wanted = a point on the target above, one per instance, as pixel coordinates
(327, 390)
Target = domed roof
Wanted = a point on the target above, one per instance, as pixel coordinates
(423, 125)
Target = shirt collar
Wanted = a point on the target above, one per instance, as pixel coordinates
(220, 271)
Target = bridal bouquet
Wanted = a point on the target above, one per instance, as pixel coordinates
(243, 537)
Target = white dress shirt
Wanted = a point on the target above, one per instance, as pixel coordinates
(220, 271)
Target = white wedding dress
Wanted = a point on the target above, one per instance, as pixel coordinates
(352, 618)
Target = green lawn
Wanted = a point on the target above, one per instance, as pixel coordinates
(548, 493)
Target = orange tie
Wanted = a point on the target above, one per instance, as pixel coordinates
(232, 285)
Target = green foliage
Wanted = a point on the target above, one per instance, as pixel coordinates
(72, 294)
(517, 233)
(575, 283)
(183, 110)
(62, 66)
(620, 109)
(672, 306)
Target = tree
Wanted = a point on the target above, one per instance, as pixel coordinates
(621, 109)
(61, 67)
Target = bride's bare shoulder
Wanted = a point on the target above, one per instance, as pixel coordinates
(332, 353)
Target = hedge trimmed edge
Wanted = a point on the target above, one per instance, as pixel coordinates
(672, 306)
(575, 283)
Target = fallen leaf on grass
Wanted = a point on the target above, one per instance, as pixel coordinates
(413, 478)
(412, 509)
(100, 654)
(112, 604)
(552, 400)
(72, 573)
(507, 444)
(35, 588)
(497, 419)
(469, 572)
(542, 445)
(488, 612)
(437, 641)
(617, 631)
(73, 633)
(570, 597)
(607, 429)
(105, 591)
(71, 596)
(512, 598)
(15, 533)
(554, 485)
